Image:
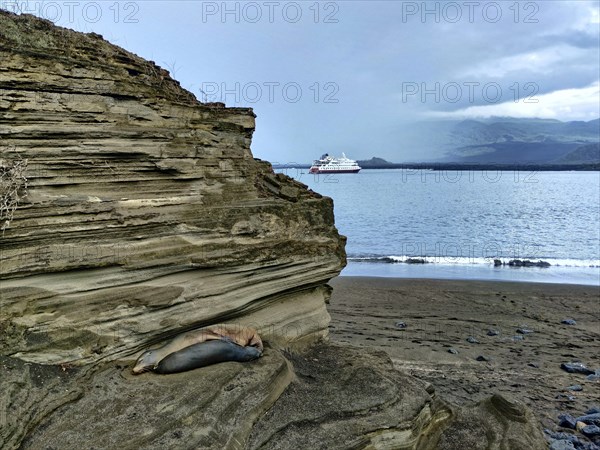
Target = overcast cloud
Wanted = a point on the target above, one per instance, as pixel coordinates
(350, 75)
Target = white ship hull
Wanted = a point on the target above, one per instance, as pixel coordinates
(319, 170)
(328, 164)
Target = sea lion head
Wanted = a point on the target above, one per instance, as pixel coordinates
(146, 362)
(256, 342)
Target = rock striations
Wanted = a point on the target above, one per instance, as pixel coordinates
(141, 214)
(146, 214)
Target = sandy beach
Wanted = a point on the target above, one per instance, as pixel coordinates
(440, 315)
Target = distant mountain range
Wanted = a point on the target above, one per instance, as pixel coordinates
(545, 144)
(521, 141)
(502, 141)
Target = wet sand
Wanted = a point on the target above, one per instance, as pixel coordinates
(442, 314)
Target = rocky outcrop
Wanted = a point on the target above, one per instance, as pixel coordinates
(496, 422)
(146, 213)
(108, 407)
(344, 398)
(328, 396)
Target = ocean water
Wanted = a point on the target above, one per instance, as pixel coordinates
(459, 222)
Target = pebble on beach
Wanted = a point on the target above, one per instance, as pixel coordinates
(593, 376)
(492, 332)
(590, 419)
(567, 421)
(472, 340)
(576, 367)
(562, 444)
(575, 387)
(482, 358)
(524, 331)
(568, 322)
(591, 431)
(453, 351)
(400, 325)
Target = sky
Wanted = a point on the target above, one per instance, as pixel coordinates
(355, 76)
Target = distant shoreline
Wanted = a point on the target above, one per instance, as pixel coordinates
(463, 166)
(555, 274)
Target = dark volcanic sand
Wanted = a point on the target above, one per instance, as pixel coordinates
(440, 314)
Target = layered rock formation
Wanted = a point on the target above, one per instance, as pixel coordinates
(331, 397)
(147, 214)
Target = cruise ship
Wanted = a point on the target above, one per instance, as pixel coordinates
(329, 164)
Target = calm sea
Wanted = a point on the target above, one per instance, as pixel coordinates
(459, 222)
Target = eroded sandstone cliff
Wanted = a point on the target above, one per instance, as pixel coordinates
(147, 213)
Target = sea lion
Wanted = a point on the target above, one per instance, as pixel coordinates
(240, 335)
(205, 354)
